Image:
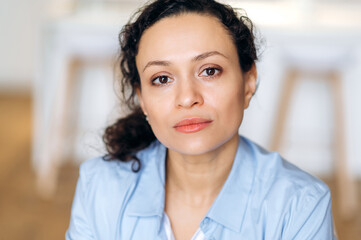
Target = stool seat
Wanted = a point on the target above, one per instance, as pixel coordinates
(346, 186)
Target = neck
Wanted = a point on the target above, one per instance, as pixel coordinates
(199, 178)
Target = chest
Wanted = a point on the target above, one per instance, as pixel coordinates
(184, 217)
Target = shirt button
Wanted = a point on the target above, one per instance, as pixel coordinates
(206, 221)
(205, 224)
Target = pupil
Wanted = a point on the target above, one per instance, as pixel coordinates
(163, 79)
(210, 71)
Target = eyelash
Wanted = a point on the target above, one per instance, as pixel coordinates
(160, 84)
(217, 72)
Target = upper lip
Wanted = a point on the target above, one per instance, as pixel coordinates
(192, 120)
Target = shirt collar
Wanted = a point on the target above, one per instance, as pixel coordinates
(149, 193)
(231, 203)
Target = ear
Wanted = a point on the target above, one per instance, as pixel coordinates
(140, 98)
(250, 85)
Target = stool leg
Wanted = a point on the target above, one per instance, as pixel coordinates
(284, 104)
(54, 143)
(346, 186)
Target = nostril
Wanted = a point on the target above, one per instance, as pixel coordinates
(187, 103)
(195, 103)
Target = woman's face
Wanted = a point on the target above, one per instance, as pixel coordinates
(192, 87)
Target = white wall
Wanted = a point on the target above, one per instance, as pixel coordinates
(19, 21)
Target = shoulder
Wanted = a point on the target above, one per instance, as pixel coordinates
(100, 169)
(280, 180)
(103, 181)
(104, 188)
(100, 172)
(290, 201)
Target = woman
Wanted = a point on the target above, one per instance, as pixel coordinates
(177, 168)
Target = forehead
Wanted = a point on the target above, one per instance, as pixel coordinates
(189, 33)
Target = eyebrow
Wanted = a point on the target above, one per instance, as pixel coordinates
(207, 54)
(156, 63)
(195, 59)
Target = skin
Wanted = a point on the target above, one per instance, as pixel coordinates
(188, 66)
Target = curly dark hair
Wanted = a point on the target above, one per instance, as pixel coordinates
(132, 133)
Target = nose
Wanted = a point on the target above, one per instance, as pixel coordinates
(189, 94)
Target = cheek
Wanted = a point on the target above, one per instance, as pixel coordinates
(157, 108)
(230, 103)
(235, 103)
(228, 99)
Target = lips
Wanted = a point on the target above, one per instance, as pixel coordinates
(191, 125)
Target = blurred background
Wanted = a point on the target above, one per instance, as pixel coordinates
(58, 92)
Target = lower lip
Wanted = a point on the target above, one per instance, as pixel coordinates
(191, 128)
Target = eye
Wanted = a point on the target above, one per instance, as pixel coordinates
(161, 80)
(210, 72)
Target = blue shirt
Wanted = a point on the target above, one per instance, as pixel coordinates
(264, 197)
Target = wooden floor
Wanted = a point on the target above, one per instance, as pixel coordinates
(23, 215)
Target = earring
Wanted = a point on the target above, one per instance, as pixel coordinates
(146, 117)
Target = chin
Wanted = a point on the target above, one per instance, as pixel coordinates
(197, 146)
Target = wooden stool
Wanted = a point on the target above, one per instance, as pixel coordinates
(55, 142)
(346, 187)
(87, 36)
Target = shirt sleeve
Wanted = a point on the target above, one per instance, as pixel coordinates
(311, 218)
(79, 227)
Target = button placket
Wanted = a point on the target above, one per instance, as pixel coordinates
(205, 225)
